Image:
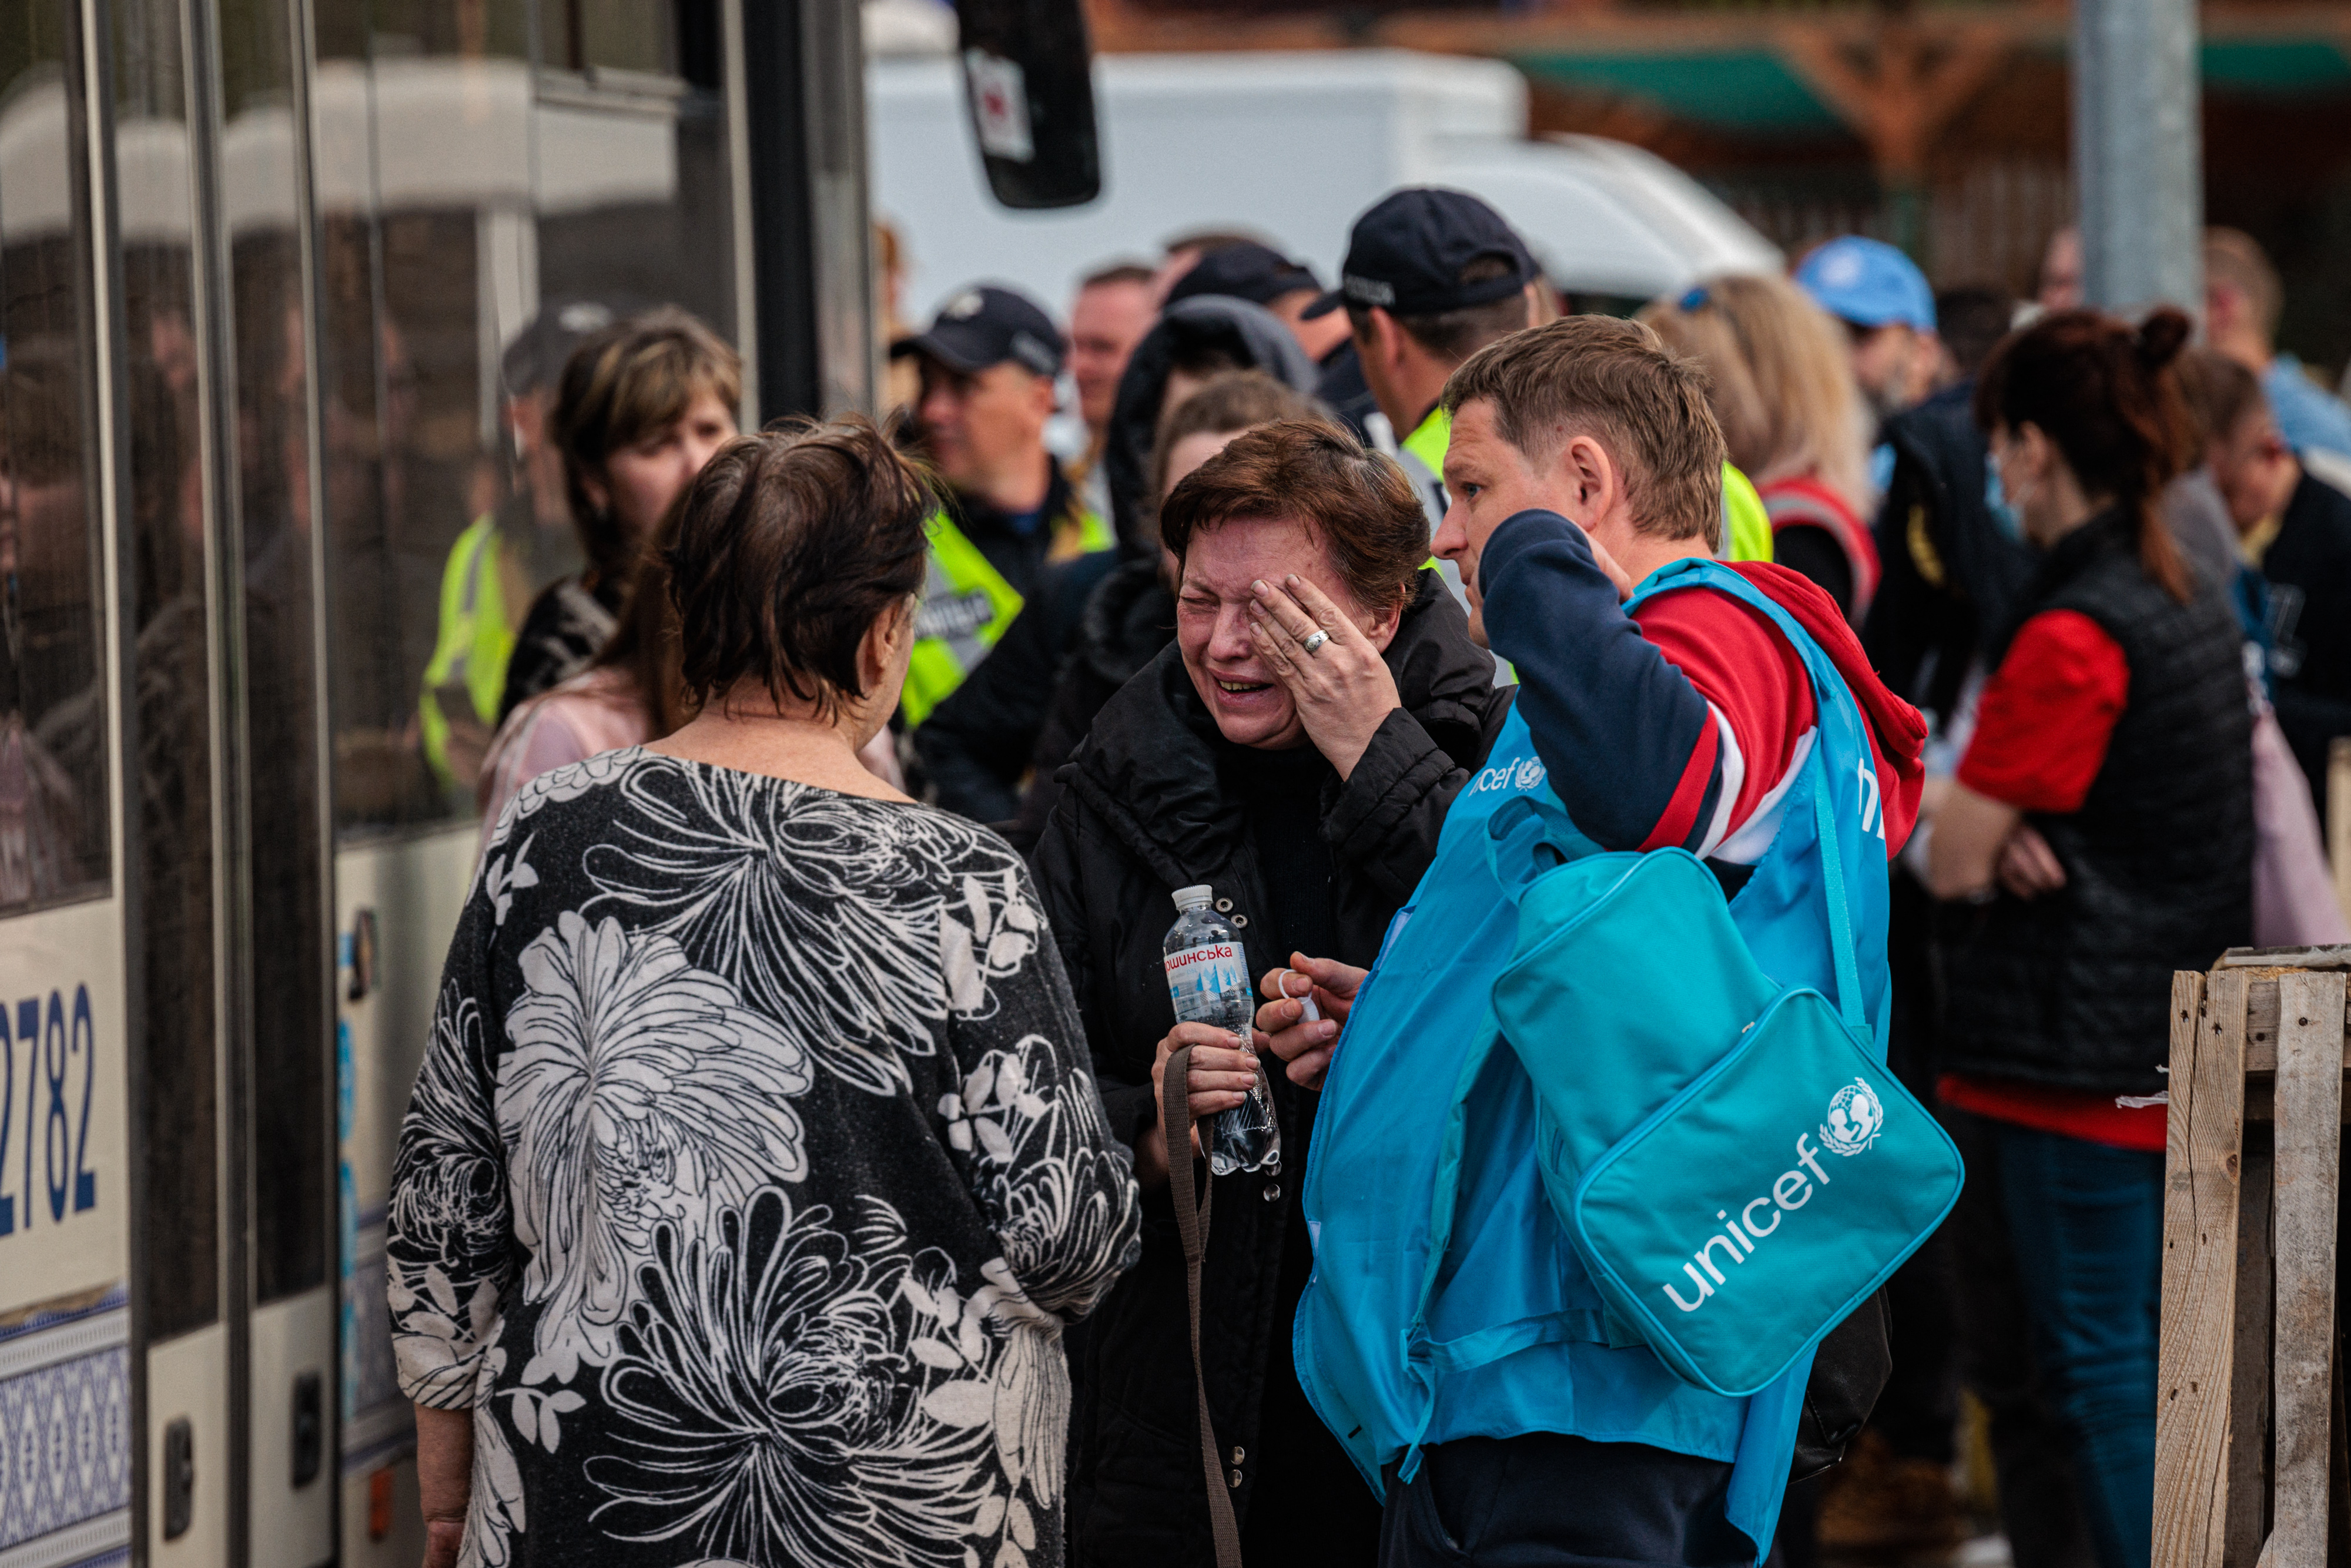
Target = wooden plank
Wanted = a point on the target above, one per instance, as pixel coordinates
(2261, 1024)
(2335, 955)
(2309, 1140)
(2201, 1161)
(2248, 1384)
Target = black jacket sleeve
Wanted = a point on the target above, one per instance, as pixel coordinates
(1385, 823)
(1077, 697)
(976, 744)
(1060, 865)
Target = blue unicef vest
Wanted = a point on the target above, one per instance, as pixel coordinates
(1447, 1301)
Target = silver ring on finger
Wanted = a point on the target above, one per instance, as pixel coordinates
(1313, 640)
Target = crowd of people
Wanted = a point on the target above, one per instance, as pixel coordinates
(790, 1176)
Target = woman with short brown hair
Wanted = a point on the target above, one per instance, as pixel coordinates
(1296, 748)
(753, 1168)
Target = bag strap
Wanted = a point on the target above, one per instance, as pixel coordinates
(1192, 1225)
(1527, 837)
(1848, 973)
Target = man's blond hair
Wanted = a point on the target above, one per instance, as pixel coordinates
(1617, 382)
(2236, 259)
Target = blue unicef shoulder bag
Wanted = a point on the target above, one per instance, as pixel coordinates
(1736, 1169)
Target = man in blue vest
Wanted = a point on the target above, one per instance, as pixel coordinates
(1665, 701)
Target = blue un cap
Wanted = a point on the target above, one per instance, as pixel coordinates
(1868, 283)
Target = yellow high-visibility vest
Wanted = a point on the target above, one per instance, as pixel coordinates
(967, 605)
(472, 644)
(1750, 530)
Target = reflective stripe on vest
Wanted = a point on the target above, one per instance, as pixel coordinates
(473, 643)
(967, 605)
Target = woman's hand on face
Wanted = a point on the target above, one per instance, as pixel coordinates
(1342, 690)
(1222, 1076)
(1305, 1044)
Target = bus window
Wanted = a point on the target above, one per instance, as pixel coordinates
(54, 815)
(171, 769)
(463, 181)
(291, 1049)
(633, 193)
(609, 35)
(424, 162)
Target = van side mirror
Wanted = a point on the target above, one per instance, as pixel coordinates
(1028, 83)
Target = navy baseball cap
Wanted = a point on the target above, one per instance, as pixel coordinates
(1257, 273)
(1406, 255)
(1868, 283)
(986, 325)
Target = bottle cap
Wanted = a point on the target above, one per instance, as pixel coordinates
(1198, 897)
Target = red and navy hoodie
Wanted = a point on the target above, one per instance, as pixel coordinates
(1683, 721)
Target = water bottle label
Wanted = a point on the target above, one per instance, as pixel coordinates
(1198, 976)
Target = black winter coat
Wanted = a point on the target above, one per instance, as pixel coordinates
(1129, 619)
(1142, 813)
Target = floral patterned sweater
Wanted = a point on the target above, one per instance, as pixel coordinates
(751, 1174)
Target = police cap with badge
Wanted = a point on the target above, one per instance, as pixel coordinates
(986, 326)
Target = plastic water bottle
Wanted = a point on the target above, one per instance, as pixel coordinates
(1207, 979)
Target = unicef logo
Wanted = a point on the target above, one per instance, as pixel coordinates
(1855, 1118)
(1526, 774)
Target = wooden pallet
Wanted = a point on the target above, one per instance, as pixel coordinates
(2249, 1449)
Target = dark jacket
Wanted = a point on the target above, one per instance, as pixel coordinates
(1144, 812)
(1023, 558)
(976, 747)
(1249, 335)
(1951, 574)
(2308, 566)
(2073, 989)
(1129, 619)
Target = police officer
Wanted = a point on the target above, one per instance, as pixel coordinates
(1431, 277)
(987, 364)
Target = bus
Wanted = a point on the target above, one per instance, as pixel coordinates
(259, 263)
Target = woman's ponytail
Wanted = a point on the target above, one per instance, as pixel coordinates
(2106, 392)
(2160, 338)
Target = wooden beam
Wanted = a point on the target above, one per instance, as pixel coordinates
(1600, 26)
(2202, 1158)
(2333, 956)
(2309, 1146)
(1897, 90)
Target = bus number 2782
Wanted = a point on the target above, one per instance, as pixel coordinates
(44, 1046)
